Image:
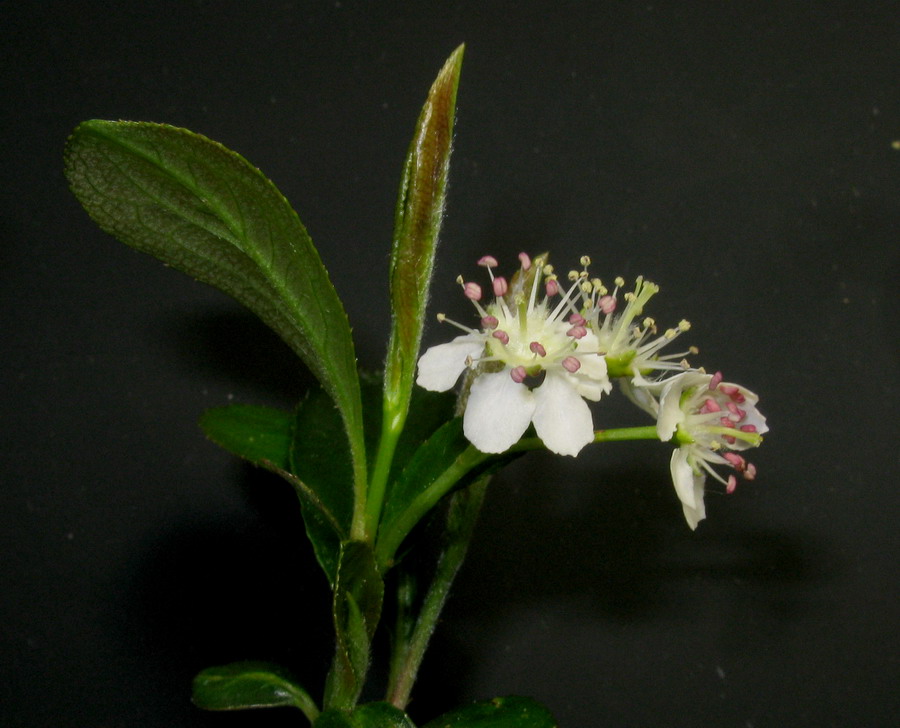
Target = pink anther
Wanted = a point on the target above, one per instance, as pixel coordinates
(501, 336)
(576, 319)
(489, 322)
(748, 428)
(571, 364)
(552, 287)
(737, 462)
(472, 291)
(725, 422)
(500, 286)
(518, 374)
(729, 390)
(750, 472)
(537, 348)
(731, 484)
(577, 332)
(715, 381)
(488, 261)
(525, 260)
(710, 405)
(607, 304)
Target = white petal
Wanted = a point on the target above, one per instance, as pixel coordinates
(441, 365)
(689, 487)
(670, 412)
(591, 380)
(498, 412)
(562, 418)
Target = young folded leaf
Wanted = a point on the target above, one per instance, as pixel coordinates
(205, 210)
(417, 222)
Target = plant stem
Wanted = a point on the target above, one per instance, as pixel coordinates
(465, 505)
(391, 429)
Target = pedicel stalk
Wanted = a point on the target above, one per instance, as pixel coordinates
(539, 347)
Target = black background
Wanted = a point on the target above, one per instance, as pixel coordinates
(742, 155)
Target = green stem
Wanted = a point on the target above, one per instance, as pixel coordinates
(618, 434)
(407, 654)
(391, 429)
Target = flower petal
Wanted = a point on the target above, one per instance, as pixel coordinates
(441, 365)
(688, 486)
(591, 380)
(498, 412)
(562, 418)
(670, 413)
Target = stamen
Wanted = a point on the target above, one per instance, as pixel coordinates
(552, 287)
(750, 472)
(518, 374)
(488, 261)
(585, 261)
(489, 322)
(571, 364)
(715, 381)
(737, 462)
(525, 260)
(500, 286)
(748, 428)
(576, 319)
(537, 348)
(472, 291)
(607, 304)
(501, 336)
(731, 485)
(577, 332)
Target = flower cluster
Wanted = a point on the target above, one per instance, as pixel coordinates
(544, 346)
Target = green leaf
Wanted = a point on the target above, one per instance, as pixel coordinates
(511, 712)
(262, 435)
(358, 597)
(443, 462)
(370, 715)
(242, 685)
(205, 210)
(417, 222)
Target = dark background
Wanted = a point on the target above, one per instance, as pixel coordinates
(743, 155)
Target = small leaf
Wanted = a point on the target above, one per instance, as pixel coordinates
(243, 685)
(258, 434)
(369, 715)
(381, 715)
(205, 210)
(443, 462)
(417, 222)
(358, 597)
(511, 712)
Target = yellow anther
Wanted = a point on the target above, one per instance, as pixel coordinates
(573, 275)
(693, 350)
(671, 334)
(586, 287)
(548, 269)
(684, 325)
(585, 260)
(441, 317)
(629, 296)
(459, 279)
(649, 323)
(619, 281)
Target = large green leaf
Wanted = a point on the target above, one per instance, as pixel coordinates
(511, 712)
(243, 685)
(262, 435)
(358, 598)
(420, 207)
(205, 210)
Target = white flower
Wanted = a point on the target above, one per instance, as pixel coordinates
(522, 336)
(709, 419)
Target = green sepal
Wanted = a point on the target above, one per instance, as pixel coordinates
(244, 685)
(358, 598)
(510, 712)
(205, 210)
(369, 715)
(417, 223)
